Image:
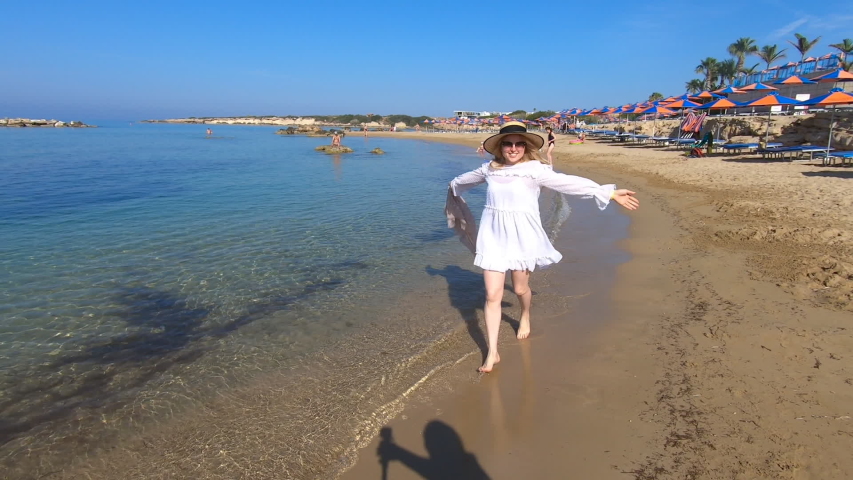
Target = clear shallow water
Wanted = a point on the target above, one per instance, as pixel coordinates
(141, 261)
(165, 297)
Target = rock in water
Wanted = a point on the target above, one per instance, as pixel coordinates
(377, 151)
(333, 149)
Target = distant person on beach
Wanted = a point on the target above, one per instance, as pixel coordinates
(336, 140)
(365, 131)
(209, 132)
(551, 143)
(511, 236)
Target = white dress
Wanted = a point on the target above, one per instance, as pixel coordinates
(511, 236)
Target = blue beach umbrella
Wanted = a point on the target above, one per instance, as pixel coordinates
(757, 86)
(839, 75)
(656, 110)
(720, 104)
(727, 91)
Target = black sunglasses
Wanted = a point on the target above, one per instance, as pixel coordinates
(521, 144)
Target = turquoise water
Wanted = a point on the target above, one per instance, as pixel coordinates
(166, 297)
(139, 261)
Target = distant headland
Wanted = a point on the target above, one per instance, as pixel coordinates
(28, 122)
(369, 120)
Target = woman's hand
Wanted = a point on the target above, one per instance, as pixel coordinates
(626, 198)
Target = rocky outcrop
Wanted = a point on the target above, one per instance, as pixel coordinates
(814, 130)
(378, 151)
(310, 130)
(28, 122)
(810, 129)
(333, 149)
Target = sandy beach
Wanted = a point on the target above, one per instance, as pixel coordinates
(726, 353)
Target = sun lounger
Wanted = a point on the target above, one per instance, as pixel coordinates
(792, 152)
(739, 147)
(681, 142)
(832, 157)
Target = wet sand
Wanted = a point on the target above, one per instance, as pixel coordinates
(723, 351)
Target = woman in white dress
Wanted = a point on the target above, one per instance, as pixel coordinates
(511, 236)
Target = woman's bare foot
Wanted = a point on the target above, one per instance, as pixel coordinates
(523, 328)
(490, 363)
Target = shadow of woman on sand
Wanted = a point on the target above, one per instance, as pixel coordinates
(467, 294)
(447, 459)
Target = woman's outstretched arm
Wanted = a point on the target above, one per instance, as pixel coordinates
(467, 181)
(586, 188)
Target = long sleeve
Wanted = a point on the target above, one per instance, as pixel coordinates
(577, 186)
(467, 181)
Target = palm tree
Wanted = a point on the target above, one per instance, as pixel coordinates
(707, 67)
(750, 70)
(845, 47)
(771, 53)
(654, 97)
(727, 71)
(741, 48)
(803, 45)
(695, 86)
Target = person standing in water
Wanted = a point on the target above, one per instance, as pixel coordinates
(551, 143)
(511, 236)
(209, 132)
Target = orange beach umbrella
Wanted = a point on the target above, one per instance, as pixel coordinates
(836, 96)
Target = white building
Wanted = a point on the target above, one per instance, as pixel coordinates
(473, 114)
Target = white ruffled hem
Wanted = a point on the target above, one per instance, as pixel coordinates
(503, 264)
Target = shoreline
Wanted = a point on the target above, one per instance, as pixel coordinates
(724, 359)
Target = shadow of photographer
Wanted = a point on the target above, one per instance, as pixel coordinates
(447, 458)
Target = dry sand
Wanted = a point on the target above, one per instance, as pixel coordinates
(729, 355)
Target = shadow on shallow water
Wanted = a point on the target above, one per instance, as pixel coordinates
(467, 294)
(77, 388)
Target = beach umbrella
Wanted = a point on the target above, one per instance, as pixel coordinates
(772, 99)
(655, 110)
(757, 86)
(683, 103)
(727, 90)
(720, 104)
(706, 95)
(835, 76)
(839, 75)
(795, 80)
(836, 96)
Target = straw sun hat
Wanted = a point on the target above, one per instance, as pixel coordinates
(493, 143)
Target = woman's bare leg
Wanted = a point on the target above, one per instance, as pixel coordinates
(521, 286)
(550, 149)
(494, 296)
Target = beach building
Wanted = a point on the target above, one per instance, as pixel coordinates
(810, 67)
(474, 114)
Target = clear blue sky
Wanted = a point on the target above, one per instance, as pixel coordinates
(88, 60)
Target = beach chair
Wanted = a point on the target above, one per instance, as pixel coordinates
(707, 142)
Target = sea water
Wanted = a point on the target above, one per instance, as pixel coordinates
(151, 274)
